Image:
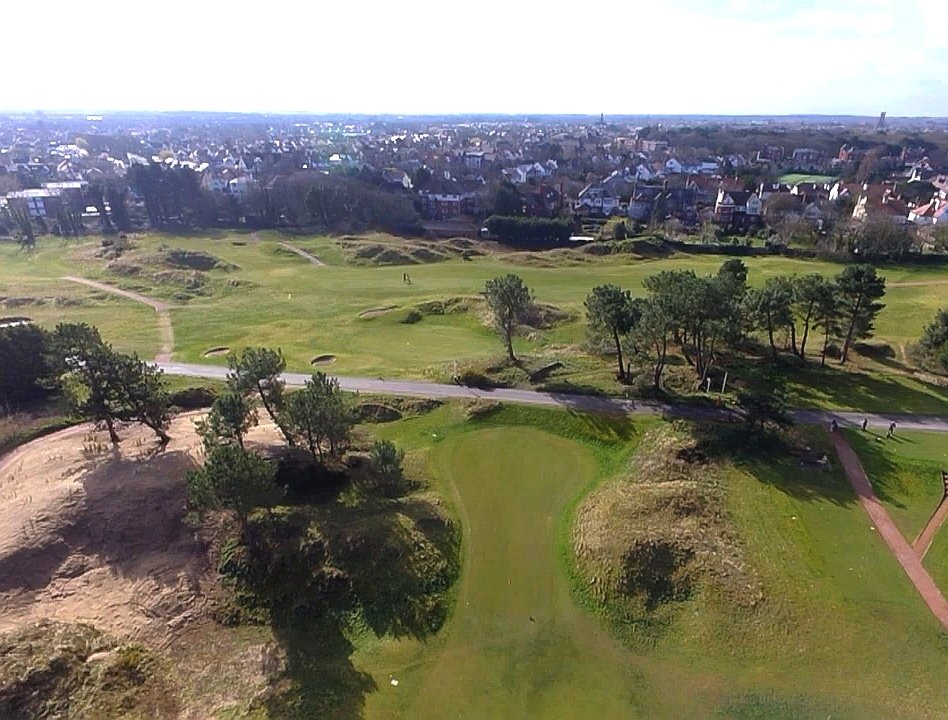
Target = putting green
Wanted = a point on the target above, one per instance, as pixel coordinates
(517, 646)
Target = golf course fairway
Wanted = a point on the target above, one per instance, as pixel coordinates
(517, 645)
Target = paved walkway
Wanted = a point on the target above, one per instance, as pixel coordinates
(907, 557)
(165, 329)
(925, 538)
(583, 403)
(303, 254)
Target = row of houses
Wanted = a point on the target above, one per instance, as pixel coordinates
(725, 201)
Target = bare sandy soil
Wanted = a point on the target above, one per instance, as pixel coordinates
(96, 534)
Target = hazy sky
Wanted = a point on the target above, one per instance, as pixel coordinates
(445, 56)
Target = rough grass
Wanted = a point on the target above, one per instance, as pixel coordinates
(31, 422)
(52, 669)
(658, 535)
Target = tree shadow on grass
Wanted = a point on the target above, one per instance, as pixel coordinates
(799, 462)
(882, 472)
(830, 386)
(320, 680)
(322, 572)
(802, 481)
(589, 419)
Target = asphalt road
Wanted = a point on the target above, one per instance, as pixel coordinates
(585, 403)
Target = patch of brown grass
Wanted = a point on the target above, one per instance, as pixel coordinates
(659, 535)
(54, 669)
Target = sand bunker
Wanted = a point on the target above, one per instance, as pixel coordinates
(375, 312)
(323, 360)
(14, 321)
(89, 533)
(216, 351)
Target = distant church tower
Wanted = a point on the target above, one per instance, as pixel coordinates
(880, 126)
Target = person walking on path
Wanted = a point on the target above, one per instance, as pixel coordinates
(891, 430)
(865, 424)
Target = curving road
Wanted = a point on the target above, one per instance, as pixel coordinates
(585, 403)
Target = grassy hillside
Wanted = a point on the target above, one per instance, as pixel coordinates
(784, 604)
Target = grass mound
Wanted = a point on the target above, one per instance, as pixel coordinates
(172, 272)
(53, 669)
(659, 536)
(448, 306)
(195, 260)
(380, 249)
(543, 316)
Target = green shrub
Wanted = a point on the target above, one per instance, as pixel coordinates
(412, 316)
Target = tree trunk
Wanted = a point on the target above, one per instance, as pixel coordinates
(657, 374)
(793, 338)
(844, 355)
(113, 436)
(826, 342)
(615, 334)
(773, 345)
(803, 339)
(857, 308)
(272, 413)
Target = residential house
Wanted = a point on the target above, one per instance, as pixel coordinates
(807, 159)
(447, 205)
(597, 199)
(37, 203)
(940, 183)
(523, 174)
(737, 209)
(660, 202)
(642, 202)
(850, 154)
(766, 190)
(396, 179)
(653, 146)
(241, 187)
(842, 190)
(910, 155)
(706, 187)
(770, 153)
(927, 213)
(811, 191)
(473, 159)
(545, 201)
(880, 201)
